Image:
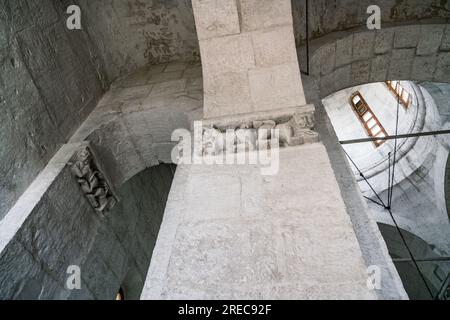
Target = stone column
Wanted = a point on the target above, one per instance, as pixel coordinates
(248, 55)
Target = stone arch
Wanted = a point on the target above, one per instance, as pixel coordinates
(132, 134)
(358, 56)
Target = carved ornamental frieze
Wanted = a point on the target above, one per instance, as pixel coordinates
(92, 181)
(285, 128)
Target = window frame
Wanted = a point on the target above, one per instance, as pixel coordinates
(398, 92)
(365, 123)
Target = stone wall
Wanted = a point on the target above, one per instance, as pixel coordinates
(231, 233)
(327, 16)
(132, 34)
(50, 80)
(359, 56)
(112, 251)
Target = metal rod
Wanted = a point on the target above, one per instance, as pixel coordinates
(399, 136)
(307, 37)
(438, 259)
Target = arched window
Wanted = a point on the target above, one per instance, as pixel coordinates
(400, 93)
(368, 119)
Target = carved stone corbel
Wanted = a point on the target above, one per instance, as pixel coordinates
(92, 181)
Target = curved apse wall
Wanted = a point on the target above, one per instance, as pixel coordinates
(326, 16)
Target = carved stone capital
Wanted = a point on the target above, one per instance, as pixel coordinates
(286, 127)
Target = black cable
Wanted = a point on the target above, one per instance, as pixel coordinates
(395, 223)
(362, 175)
(389, 181)
(395, 152)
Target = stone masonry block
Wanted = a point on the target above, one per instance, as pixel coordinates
(227, 54)
(443, 67)
(361, 71)
(363, 45)
(276, 87)
(274, 47)
(384, 41)
(214, 18)
(401, 64)
(445, 45)
(423, 68)
(407, 37)
(379, 68)
(430, 40)
(226, 94)
(261, 14)
(344, 51)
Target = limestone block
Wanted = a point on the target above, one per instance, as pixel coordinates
(445, 46)
(261, 14)
(406, 37)
(227, 54)
(175, 66)
(379, 68)
(344, 51)
(276, 87)
(327, 84)
(361, 71)
(165, 76)
(227, 93)
(343, 77)
(443, 67)
(384, 41)
(430, 40)
(168, 88)
(401, 64)
(363, 43)
(193, 72)
(327, 58)
(423, 68)
(215, 18)
(274, 46)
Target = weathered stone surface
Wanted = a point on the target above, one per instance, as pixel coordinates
(423, 67)
(327, 58)
(406, 37)
(401, 63)
(271, 47)
(379, 68)
(430, 40)
(344, 51)
(227, 54)
(66, 231)
(361, 71)
(277, 86)
(49, 81)
(384, 41)
(228, 93)
(205, 244)
(363, 44)
(218, 18)
(262, 14)
(445, 46)
(443, 67)
(131, 35)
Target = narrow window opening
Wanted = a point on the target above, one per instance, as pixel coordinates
(368, 119)
(400, 93)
